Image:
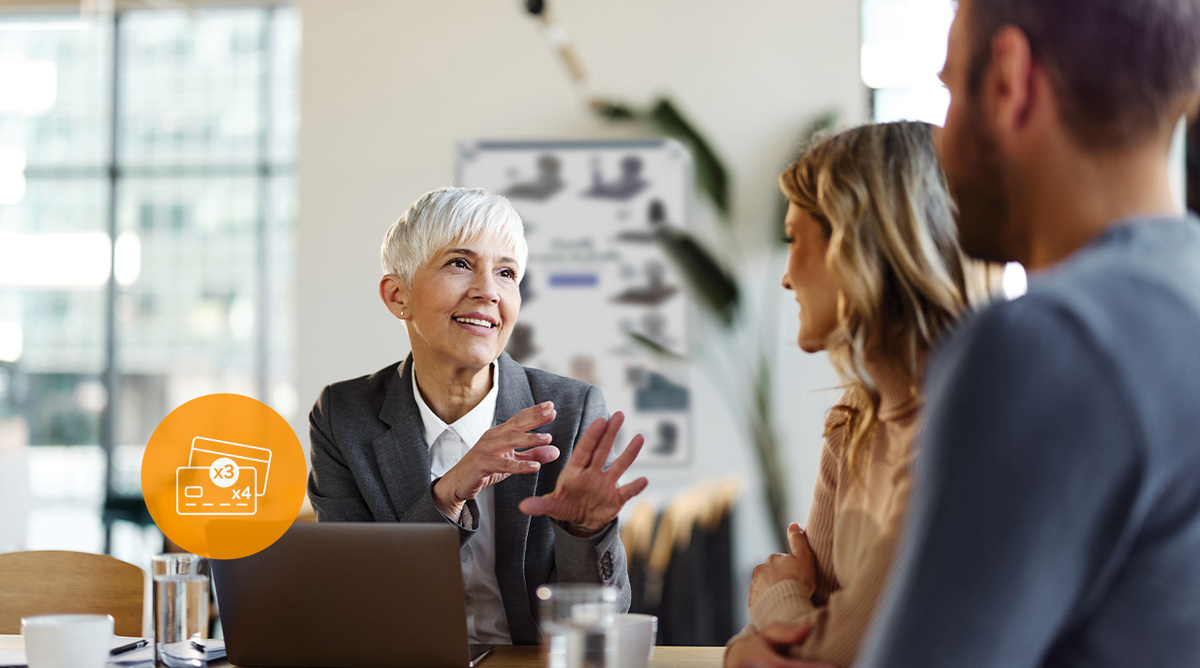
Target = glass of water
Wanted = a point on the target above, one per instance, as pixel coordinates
(180, 610)
(578, 625)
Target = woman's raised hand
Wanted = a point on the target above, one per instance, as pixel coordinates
(587, 496)
(494, 458)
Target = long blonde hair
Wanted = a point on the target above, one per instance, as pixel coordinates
(879, 194)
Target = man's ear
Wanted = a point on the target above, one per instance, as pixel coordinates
(394, 294)
(1013, 84)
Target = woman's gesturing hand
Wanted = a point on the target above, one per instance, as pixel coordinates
(587, 497)
(494, 458)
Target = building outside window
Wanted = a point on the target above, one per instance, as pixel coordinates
(146, 213)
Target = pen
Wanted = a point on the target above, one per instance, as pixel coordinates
(130, 647)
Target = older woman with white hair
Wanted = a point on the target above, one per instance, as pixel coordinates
(459, 433)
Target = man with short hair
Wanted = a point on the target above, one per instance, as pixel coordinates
(1056, 518)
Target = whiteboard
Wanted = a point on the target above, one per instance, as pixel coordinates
(591, 209)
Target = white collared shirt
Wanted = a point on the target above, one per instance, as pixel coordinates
(486, 621)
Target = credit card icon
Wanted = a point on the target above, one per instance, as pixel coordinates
(197, 494)
(205, 451)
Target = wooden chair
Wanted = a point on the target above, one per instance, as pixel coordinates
(55, 582)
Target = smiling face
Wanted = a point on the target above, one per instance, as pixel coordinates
(461, 305)
(808, 277)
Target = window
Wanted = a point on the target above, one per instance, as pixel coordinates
(903, 50)
(146, 216)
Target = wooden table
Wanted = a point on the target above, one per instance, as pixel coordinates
(528, 656)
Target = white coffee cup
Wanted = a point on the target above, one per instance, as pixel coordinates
(636, 635)
(67, 641)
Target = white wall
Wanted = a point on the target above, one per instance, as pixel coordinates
(388, 86)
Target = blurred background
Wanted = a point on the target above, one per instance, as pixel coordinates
(192, 197)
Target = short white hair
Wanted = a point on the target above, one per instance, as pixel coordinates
(442, 217)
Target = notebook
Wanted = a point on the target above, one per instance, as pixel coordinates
(347, 595)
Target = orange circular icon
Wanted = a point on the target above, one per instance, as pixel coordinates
(223, 476)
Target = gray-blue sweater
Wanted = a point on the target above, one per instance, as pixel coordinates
(1056, 518)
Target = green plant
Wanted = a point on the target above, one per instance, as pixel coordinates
(717, 290)
(743, 366)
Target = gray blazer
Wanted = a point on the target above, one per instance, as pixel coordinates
(370, 463)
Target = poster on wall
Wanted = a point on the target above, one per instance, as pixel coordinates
(591, 210)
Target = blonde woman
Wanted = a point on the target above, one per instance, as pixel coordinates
(875, 265)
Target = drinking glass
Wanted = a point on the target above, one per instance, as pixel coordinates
(180, 610)
(578, 622)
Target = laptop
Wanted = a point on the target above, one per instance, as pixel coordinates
(346, 595)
